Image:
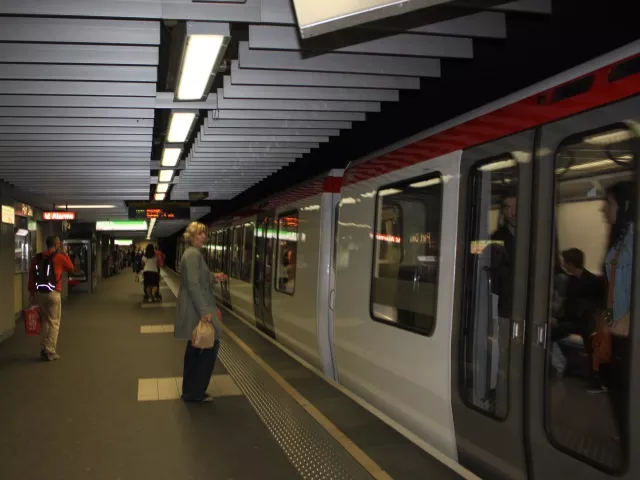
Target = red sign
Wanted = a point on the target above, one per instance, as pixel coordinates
(58, 215)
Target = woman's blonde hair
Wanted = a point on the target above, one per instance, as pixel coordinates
(194, 228)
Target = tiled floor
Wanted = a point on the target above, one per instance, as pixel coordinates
(79, 418)
(154, 389)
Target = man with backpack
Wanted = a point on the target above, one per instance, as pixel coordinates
(45, 286)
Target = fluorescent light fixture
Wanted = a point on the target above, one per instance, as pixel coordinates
(170, 156)
(498, 165)
(77, 207)
(612, 136)
(426, 183)
(165, 176)
(22, 232)
(180, 125)
(159, 196)
(589, 166)
(389, 191)
(348, 201)
(202, 56)
(123, 243)
(162, 188)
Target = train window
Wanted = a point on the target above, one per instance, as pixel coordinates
(489, 283)
(227, 251)
(218, 258)
(595, 213)
(404, 289)
(287, 252)
(247, 252)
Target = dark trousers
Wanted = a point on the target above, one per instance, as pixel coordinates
(198, 367)
(564, 329)
(617, 376)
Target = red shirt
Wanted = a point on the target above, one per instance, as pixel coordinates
(61, 263)
(160, 256)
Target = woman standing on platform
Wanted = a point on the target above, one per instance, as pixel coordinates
(150, 274)
(196, 303)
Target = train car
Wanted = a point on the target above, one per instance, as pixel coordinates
(437, 291)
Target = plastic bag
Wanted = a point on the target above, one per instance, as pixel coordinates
(203, 335)
(32, 320)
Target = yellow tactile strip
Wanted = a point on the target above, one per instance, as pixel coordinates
(157, 328)
(170, 388)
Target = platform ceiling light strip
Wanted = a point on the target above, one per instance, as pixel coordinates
(180, 125)
(78, 207)
(205, 46)
(162, 188)
(165, 176)
(160, 196)
(170, 156)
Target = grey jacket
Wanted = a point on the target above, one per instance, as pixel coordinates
(195, 298)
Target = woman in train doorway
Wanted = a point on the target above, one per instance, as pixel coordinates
(196, 303)
(619, 212)
(150, 274)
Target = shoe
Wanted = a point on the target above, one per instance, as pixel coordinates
(596, 387)
(52, 357)
(206, 399)
(43, 355)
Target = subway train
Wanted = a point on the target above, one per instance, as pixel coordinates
(426, 279)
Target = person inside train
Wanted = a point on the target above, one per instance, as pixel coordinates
(619, 212)
(502, 251)
(581, 297)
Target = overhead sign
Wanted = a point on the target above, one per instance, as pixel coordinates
(58, 215)
(8, 215)
(316, 17)
(121, 226)
(164, 212)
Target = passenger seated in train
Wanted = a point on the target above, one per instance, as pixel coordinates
(287, 281)
(583, 293)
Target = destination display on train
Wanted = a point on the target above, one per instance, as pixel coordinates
(164, 211)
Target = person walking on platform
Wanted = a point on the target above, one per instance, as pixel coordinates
(150, 274)
(196, 303)
(45, 287)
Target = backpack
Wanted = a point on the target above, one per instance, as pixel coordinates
(46, 279)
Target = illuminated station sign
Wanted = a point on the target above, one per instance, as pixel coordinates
(58, 215)
(160, 211)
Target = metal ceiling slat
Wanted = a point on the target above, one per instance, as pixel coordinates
(287, 38)
(73, 156)
(71, 30)
(482, 24)
(260, 144)
(84, 8)
(270, 131)
(142, 113)
(339, 62)
(247, 76)
(22, 129)
(165, 100)
(66, 122)
(255, 150)
(59, 137)
(101, 89)
(69, 149)
(308, 93)
(79, 54)
(112, 73)
(250, 123)
(286, 115)
(305, 105)
(244, 155)
(262, 138)
(71, 143)
(71, 101)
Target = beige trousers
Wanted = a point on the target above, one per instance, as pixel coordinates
(50, 311)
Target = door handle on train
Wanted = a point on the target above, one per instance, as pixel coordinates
(332, 298)
(541, 335)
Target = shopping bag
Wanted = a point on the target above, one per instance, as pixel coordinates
(32, 321)
(203, 335)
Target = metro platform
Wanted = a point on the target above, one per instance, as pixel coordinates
(110, 408)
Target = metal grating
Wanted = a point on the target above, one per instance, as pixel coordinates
(311, 450)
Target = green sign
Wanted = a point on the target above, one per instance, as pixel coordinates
(122, 226)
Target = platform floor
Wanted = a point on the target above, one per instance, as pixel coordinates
(110, 408)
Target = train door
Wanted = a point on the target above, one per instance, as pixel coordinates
(490, 306)
(227, 234)
(263, 271)
(580, 421)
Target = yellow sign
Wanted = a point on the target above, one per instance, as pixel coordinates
(8, 215)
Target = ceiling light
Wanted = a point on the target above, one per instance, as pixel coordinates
(170, 156)
(498, 165)
(165, 176)
(426, 183)
(179, 126)
(76, 207)
(612, 136)
(389, 191)
(203, 52)
(160, 196)
(162, 188)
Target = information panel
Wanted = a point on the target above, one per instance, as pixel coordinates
(160, 211)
